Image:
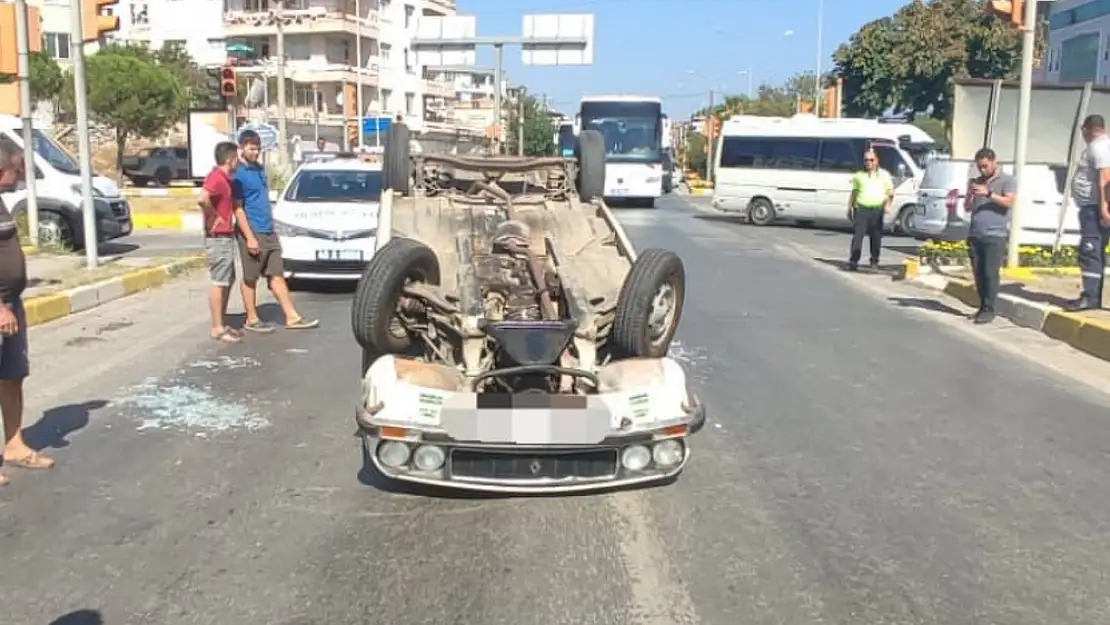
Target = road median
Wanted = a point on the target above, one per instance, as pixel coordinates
(1088, 332)
(52, 306)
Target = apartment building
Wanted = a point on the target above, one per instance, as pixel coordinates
(466, 99)
(1079, 42)
(339, 54)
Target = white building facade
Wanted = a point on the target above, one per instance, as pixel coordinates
(1079, 42)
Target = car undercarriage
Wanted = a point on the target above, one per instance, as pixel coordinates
(513, 339)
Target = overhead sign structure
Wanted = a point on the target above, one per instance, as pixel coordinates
(566, 39)
(454, 34)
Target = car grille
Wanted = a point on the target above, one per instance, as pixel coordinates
(592, 464)
(119, 209)
(324, 267)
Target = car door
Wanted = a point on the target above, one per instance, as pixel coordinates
(794, 164)
(840, 160)
(181, 163)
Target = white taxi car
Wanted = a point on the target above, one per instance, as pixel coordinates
(327, 218)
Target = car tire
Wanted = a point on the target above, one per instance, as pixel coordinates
(374, 309)
(903, 222)
(139, 181)
(590, 152)
(397, 165)
(163, 176)
(761, 212)
(657, 277)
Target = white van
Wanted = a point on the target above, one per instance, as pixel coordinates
(801, 167)
(940, 211)
(58, 190)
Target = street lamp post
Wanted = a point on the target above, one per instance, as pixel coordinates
(820, 44)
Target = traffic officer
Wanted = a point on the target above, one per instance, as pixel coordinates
(872, 196)
(1088, 190)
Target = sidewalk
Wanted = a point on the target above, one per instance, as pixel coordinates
(60, 285)
(1033, 299)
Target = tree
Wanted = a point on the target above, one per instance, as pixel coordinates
(537, 128)
(771, 101)
(696, 158)
(133, 95)
(174, 57)
(47, 78)
(906, 62)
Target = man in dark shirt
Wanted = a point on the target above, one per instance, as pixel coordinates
(990, 198)
(219, 237)
(14, 361)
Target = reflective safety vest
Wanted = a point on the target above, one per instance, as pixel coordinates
(872, 189)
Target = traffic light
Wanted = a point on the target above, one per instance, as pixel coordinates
(212, 97)
(94, 24)
(9, 47)
(1013, 10)
(228, 85)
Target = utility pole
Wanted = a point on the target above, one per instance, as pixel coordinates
(81, 100)
(709, 137)
(283, 134)
(520, 123)
(820, 43)
(1025, 96)
(358, 74)
(23, 41)
(498, 77)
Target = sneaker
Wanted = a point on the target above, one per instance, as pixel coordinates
(985, 317)
(1079, 305)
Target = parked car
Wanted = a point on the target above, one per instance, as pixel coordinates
(161, 165)
(940, 213)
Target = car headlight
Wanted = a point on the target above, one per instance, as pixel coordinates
(77, 188)
(288, 230)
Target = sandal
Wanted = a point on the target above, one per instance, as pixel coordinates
(259, 327)
(301, 323)
(228, 335)
(33, 460)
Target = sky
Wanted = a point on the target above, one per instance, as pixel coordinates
(678, 49)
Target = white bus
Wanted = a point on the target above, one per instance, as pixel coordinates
(800, 168)
(636, 132)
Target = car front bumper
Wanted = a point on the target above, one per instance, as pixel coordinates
(530, 469)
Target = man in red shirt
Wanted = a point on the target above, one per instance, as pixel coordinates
(219, 238)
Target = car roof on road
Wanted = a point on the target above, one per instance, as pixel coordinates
(340, 162)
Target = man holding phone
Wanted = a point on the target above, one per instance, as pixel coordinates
(14, 360)
(990, 198)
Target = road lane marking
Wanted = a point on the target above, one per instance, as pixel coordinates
(657, 595)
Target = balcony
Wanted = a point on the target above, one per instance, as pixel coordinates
(439, 7)
(313, 20)
(318, 70)
(439, 88)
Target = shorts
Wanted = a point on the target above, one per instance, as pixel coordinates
(268, 263)
(15, 362)
(221, 259)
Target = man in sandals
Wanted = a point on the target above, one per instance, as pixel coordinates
(219, 238)
(14, 362)
(259, 246)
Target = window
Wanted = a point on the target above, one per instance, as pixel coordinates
(387, 95)
(56, 45)
(336, 186)
(743, 152)
(298, 48)
(1079, 58)
(841, 155)
(385, 50)
(793, 154)
(410, 104)
(409, 11)
(889, 158)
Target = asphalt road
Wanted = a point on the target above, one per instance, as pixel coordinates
(870, 460)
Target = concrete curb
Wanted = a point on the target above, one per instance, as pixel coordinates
(184, 222)
(47, 308)
(167, 192)
(1087, 335)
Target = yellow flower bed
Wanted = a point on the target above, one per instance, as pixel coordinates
(955, 253)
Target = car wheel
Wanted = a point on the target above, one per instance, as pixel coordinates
(590, 151)
(649, 306)
(761, 212)
(56, 231)
(374, 318)
(163, 176)
(397, 165)
(904, 221)
(140, 181)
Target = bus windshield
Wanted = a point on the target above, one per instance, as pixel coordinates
(565, 140)
(633, 131)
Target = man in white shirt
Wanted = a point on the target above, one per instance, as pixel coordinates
(1089, 191)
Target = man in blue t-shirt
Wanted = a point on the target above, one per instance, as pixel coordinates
(259, 246)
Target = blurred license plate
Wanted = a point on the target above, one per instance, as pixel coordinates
(339, 255)
(619, 192)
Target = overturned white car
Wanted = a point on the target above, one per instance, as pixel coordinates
(513, 340)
